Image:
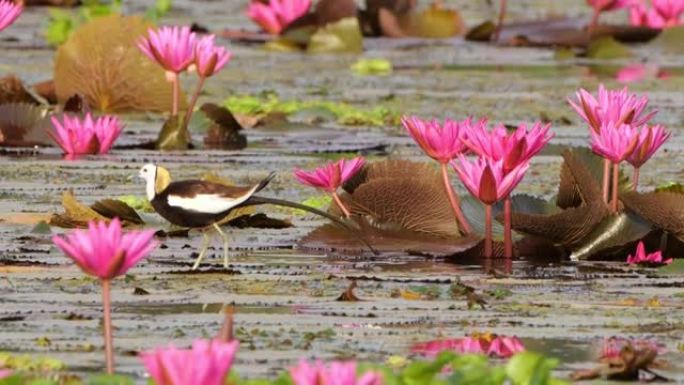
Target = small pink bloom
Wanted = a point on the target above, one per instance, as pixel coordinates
(515, 148)
(661, 14)
(641, 258)
(618, 107)
(440, 141)
(486, 179)
(87, 136)
(336, 373)
(650, 140)
(5, 373)
(103, 250)
(498, 346)
(277, 14)
(505, 347)
(206, 363)
(209, 58)
(608, 5)
(615, 143)
(173, 48)
(331, 176)
(9, 12)
(612, 346)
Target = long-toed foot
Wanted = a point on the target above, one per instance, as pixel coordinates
(203, 251)
(224, 236)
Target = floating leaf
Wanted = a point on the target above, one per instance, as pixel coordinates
(173, 135)
(76, 213)
(24, 124)
(102, 62)
(614, 231)
(375, 66)
(663, 209)
(481, 32)
(113, 208)
(433, 22)
(224, 129)
(670, 40)
(12, 90)
(607, 48)
(137, 203)
(341, 36)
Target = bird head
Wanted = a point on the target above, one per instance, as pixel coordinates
(156, 178)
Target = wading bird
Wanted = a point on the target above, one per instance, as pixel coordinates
(197, 204)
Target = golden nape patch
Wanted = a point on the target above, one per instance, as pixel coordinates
(162, 180)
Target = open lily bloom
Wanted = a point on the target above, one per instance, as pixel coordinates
(277, 14)
(642, 258)
(335, 373)
(491, 345)
(661, 14)
(207, 362)
(616, 106)
(331, 176)
(440, 141)
(86, 136)
(486, 179)
(9, 12)
(615, 142)
(173, 48)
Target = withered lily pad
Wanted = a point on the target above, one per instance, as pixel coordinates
(24, 124)
(12, 90)
(77, 214)
(224, 129)
(664, 209)
(341, 36)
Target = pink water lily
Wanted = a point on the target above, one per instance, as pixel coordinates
(491, 345)
(640, 72)
(274, 15)
(650, 139)
(173, 48)
(104, 251)
(207, 362)
(443, 141)
(335, 373)
(642, 258)
(661, 13)
(331, 176)
(5, 373)
(9, 12)
(487, 180)
(78, 136)
(210, 58)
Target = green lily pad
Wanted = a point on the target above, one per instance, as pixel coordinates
(339, 37)
(173, 135)
(376, 66)
(670, 40)
(607, 48)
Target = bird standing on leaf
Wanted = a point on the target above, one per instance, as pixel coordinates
(203, 205)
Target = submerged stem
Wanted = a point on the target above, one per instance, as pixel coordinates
(488, 247)
(508, 232)
(193, 101)
(341, 205)
(606, 180)
(463, 224)
(107, 321)
(616, 181)
(635, 178)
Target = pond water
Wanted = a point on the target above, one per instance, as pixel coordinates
(284, 297)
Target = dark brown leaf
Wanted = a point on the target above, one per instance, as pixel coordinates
(24, 124)
(12, 90)
(224, 133)
(663, 209)
(348, 295)
(114, 208)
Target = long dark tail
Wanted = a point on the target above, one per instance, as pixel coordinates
(257, 200)
(265, 182)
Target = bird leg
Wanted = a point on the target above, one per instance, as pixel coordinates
(203, 251)
(225, 238)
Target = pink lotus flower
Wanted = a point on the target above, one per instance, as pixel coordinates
(486, 179)
(440, 141)
(662, 14)
(277, 14)
(615, 142)
(618, 107)
(208, 362)
(640, 72)
(649, 141)
(209, 58)
(173, 48)
(87, 136)
(494, 346)
(336, 373)
(518, 147)
(9, 12)
(641, 258)
(331, 176)
(104, 251)
(5, 373)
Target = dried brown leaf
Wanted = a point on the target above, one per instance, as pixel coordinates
(663, 209)
(23, 124)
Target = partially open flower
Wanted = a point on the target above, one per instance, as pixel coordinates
(650, 140)
(206, 363)
(9, 12)
(615, 142)
(661, 14)
(104, 250)
(336, 373)
(209, 58)
(616, 106)
(440, 141)
(641, 258)
(331, 176)
(274, 16)
(87, 136)
(486, 179)
(173, 48)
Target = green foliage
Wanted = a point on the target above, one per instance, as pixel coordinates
(25, 362)
(528, 368)
(62, 23)
(346, 114)
(110, 379)
(375, 66)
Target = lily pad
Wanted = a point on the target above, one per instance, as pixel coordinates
(607, 48)
(343, 36)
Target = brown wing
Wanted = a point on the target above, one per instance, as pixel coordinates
(192, 188)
